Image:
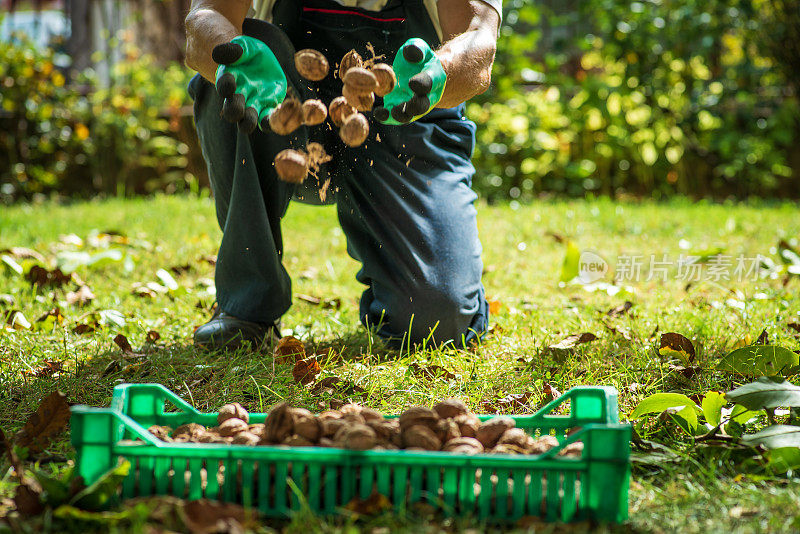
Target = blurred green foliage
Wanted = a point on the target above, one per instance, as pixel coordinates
(81, 138)
(649, 98)
(598, 97)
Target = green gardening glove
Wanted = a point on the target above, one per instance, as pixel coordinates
(420, 84)
(251, 81)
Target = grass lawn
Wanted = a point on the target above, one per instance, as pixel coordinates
(700, 491)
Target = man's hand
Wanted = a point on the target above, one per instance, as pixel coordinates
(251, 81)
(421, 82)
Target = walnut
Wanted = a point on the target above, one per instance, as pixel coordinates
(245, 438)
(231, 427)
(573, 450)
(339, 110)
(421, 436)
(190, 430)
(507, 448)
(418, 415)
(311, 65)
(462, 445)
(467, 425)
(542, 444)
(279, 423)
(386, 78)
(384, 429)
(350, 60)
(360, 80)
(360, 101)
(447, 429)
(291, 165)
(450, 408)
(357, 437)
(516, 437)
(371, 415)
(259, 429)
(297, 441)
(232, 411)
(306, 425)
(287, 117)
(314, 112)
(351, 408)
(330, 414)
(161, 432)
(331, 426)
(490, 431)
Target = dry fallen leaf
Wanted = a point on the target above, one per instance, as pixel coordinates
(49, 419)
(430, 372)
(204, 516)
(306, 370)
(334, 303)
(508, 404)
(677, 346)
(40, 276)
(494, 307)
(550, 392)
(374, 504)
(47, 369)
(622, 309)
(16, 320)
(127, 351)
(80, 297)
(573, 340)
(795, 327)
(289, 349)
(334, 384)
(763, 338)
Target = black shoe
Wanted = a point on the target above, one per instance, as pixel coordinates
(224, 331)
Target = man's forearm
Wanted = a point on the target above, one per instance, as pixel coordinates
(209, 24)
(467, 60)
(470, 30)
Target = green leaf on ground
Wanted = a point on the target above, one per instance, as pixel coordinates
(96, 496)
(783, 459)
(712, 407)
(677, 404)
(766, 393)
(759, 360)
(570, 269)
(774, 437)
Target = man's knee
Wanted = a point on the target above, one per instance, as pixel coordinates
(434, 316)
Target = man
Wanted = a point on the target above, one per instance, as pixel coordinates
(403, 198)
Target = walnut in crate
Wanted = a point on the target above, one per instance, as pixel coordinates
(232, 411)
(231, 427)
(306, 425)
(245, 438)
(287, 117)
(418, 415)
(190, 432)
(543, 444)
(311, 65)
(420, 436)
(339, 110)
(279, 424)
(314, 112)
(357, 437)
(467, 425)
(450, 408)
(463, 445)
(161, 432)
(350, 60)
(447, 429)
(490, 431)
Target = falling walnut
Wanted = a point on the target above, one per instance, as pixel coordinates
(294, 166)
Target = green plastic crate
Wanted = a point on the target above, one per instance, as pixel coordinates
(493, 487)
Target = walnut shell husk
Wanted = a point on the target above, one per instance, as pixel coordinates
(311, 64)
(233, 410)
(490, 431)
(350, 60)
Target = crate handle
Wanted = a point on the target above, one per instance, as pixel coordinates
(145, 403)
(589, 404)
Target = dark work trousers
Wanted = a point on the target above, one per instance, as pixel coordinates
(404, 197)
